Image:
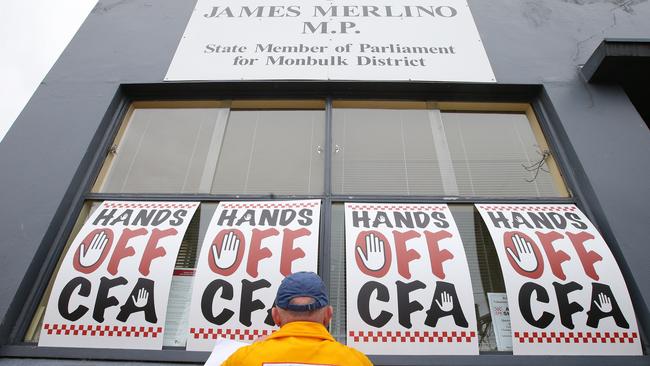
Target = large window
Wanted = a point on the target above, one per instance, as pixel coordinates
(218, 147)
(415, 149)
(454, 153)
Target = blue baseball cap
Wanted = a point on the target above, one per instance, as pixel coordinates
(301, 284)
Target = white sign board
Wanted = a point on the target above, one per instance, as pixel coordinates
(248, 249)
(112, 288)
(500, 314)
(407, 280)
(566, 293)
(178, 307)
(427, 40)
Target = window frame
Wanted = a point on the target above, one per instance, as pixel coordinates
(465, 107)
(448, 96)
(108, 162)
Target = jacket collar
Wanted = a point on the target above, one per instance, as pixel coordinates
(302, 329)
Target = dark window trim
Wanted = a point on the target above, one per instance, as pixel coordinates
(66, 216)
(126, 94)
(586, 199)
(619, 60)
(334, 197)
(182, 357)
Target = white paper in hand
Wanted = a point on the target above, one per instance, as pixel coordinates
(223, 348)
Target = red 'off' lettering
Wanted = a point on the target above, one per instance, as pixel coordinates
(97, 245)
(257, 252)
(587, 257)
(152, 250)
(289, 253)
(229, 246)
(555, 257)
(526, 258)
(373, 252)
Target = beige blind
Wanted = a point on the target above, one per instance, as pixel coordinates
(427, 152)
(384, 151)
(272, 151)
(496, 155)
(165, 150)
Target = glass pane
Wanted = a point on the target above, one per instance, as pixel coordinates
(426, 152)
(337, 273)
(484, 268)
(497, 155)
(272, 152)
(384, 151)
(165, 150)
(180, 292)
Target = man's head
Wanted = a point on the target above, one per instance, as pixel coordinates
(302, 297)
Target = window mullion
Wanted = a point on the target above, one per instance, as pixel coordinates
(327, 186)
(445, 164)
(325, 239)
(214, 151)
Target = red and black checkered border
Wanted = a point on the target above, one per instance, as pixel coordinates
(396, 207)
(150, 205)
(576, 337)
(270, 205)
(566, 208)
(102, 330)
(412, 336)
(232, 334)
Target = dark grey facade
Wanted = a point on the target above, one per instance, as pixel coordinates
(50, 156)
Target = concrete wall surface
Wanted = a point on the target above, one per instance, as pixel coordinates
(46, 156)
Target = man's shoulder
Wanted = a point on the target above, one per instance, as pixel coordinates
(242, 352)
(261, 349)
(354, 354)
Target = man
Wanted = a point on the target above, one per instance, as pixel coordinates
(302, 311)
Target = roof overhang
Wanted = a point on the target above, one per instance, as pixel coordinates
(619, 61)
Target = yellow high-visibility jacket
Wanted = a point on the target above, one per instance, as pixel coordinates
(303, 343)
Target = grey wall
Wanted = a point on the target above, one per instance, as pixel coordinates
(48, 152)
(546, 42)
(41, 156)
